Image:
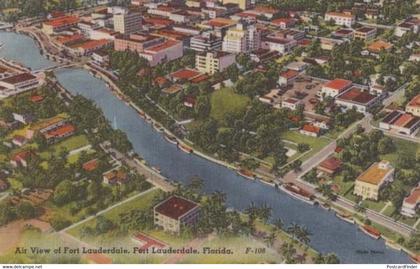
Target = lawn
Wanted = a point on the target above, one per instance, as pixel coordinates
(225, 101)
(69, 144)
(404, 147)
(316, 143)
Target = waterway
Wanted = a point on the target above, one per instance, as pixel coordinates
(329, 233)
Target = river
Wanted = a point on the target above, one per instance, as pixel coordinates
(329, 233)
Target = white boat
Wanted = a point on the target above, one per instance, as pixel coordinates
(171, 139)
(156, 169)
(158, 127)
(297, 193)
(345, 217)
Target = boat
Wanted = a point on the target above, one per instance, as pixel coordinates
(148, 119)
(156, 169)
(325, 206)
(371, 231)
(171, 139)
(248, 174)
(142, 114)
(415, 259)
(392, 244)
(158, 127)
(346, 217)
(185, 148)
(297, 192)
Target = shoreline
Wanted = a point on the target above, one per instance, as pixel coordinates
(120, 95)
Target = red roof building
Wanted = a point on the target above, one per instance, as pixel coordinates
(310, 130)
(330, 166)
(335, 87)
(175, 212)
(60, 132)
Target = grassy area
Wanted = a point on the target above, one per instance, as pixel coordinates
(225, 101)
(404, 147)
(344, 186)
(143, 202)
(316, 143)
(69, 144)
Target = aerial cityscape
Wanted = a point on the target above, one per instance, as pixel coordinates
(209, 131)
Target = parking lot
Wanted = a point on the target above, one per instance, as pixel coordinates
(305, 89)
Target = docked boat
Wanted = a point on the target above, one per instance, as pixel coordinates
(142, 114)
(371, 231)
(246, 174)
(156, 169)
(148, 119)
(171, 139)
(185, 148)
(158, 127)
(393, 245)
(298, 193)
(346, 217)
(415, 259)
(325, 206)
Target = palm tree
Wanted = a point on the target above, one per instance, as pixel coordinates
(303, 235)
(278, 223)
(269, 240)
(288, 251)
(293, 230)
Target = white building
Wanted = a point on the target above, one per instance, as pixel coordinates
(341, 18)
(282, 46)
(213, 62)
(19, 83)
(335, 87)
(127, 22)
(357, 98)
(242, 38)
(410, 203)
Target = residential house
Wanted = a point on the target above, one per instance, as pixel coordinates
(341, 18)
(413, 106)
(410, 203)
(115, 176)
(310, 130)
(21, 158)
(335, 87)
(330, 166)
(287, 78)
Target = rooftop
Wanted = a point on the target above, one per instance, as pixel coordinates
(338, 84)
(379, 45)
(414, 197)
(340, 14)
(365, 29)
(175, 207)
(289, 74)
(376, 173)
(185, 74)
(331, 163)
(311, 128)
(19, 78)
(357, 95)
(62, 21)
(415, 102)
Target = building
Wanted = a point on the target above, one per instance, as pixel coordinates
(409, 25)
(127, 22)
(330, 166)
(154, 49)
(287, 77)
(24, 118)
(280, 45)
(400, 122)
(369, 183)
(291, 103)
(115, 176)
(242, 4)
(21, 158)
(335, 87)
(88, 47)
(56, 134)
(176, 212)
(365, 33)
(413, 106)
(377, 46)
(17, 84)
(310, 130)
(284, 23)
(213, 62)
(357, 98)
(343, 33)
(341, 18)
(411, 202)
(272, 98)
(330, 43)
(242, 38)
(206, 42)
(59, 24)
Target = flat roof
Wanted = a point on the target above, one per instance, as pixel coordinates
(175, 207)
(356, 95)
(338, 84)
(375, 174)
(19, 78)
(415, 102)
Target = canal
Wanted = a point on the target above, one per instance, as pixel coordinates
(329, 233)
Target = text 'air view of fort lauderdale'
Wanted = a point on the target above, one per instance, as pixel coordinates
(209, 131)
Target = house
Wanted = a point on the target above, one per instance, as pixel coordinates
(340, 18)
(173, 89)
(176, 212)
(115, 176)
(19, 140)
(36, 98)
(90, 166)
(411, 202)
(413, 106)
(291, 103)
(19, 83)
(357, 98)
(329, 43)
(343, 33)
(25, 118)
(330, 166)
(379, 45)
(335, 87)
(21, 158)
(287, 77)
(272, 98)
(3, 185)
(401, 122)
(184, 75)
(190, 101)
(370, 182)
(56, 134)
(409, 25)
(284, 23)
(310, 130)
(365, 33)
(281, 45)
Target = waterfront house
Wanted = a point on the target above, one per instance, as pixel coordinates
(411, 202)
(330, 166)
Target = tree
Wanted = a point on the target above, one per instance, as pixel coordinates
(103, 225)
(25, 210)
(64, 192)
(233, 72)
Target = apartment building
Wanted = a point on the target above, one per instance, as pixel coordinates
(365, 33)
(213, 62)
(341, 18)
(127, 22)
(369, 183)
(206, 42)
(242, 38)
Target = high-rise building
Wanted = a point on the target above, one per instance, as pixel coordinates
(213, 62)
(127, 22)
(242, 38)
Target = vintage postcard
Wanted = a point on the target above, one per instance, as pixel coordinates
(209, 132)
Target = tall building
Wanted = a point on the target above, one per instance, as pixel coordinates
(213, 62)
(206, 42)
(242, 4)
(127, 22)
(242, 38)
